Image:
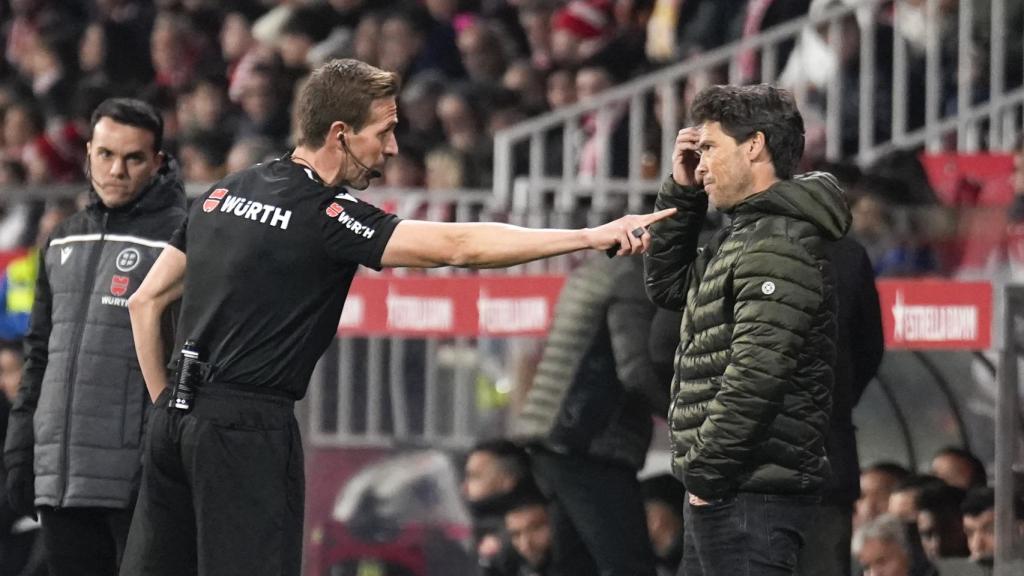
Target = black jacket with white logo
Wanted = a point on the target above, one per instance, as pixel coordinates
(82, 404)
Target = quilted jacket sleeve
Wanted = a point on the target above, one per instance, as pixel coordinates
(669, 262)
(777, 290)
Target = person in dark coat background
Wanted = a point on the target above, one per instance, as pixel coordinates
(859, 350)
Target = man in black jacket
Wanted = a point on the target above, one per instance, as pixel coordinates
(859, 349)
(754, 369)
(587, 418)
(73, 447)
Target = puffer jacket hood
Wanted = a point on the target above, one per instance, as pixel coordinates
(813, 197)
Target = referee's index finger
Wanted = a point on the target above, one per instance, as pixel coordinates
(649, 219)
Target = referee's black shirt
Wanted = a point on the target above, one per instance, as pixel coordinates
(271, 254)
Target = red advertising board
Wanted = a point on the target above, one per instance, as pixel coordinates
(936, 314)
(450, 306)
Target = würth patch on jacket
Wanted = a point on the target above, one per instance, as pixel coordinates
(337, 211)
(211, 203)
(248, 209)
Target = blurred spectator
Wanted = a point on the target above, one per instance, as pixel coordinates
(407, 169)
(175, 51)
(959, 468)
(23, 122)
(859, 348)
(203, 156)
(561, 88)
(625, 49)
(264, 112)
(205, 107)
(593, 78)
(464, 123)
(494, 469)
(663, 502)
(418, 109)
(580, 30)
(939, 522)
(708, 24)
(445, 169)
(535, 20)
(402, 36)
(367, 39)
(979, 518)
(18, 283)
(239, 51)
(885, 546)
(485, 52)
(249, 151)
(529, 528)
(304, 28)
(527, 83)
(877, 483)
(903, 500)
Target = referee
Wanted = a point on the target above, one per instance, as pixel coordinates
(263, 264)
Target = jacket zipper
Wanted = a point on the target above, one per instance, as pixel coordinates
(76, 344)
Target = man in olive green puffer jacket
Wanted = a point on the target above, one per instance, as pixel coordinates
(754, 368)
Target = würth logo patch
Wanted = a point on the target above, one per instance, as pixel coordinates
(211, 203)
(334, 210)
(119, 285)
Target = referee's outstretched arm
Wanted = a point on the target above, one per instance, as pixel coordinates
(420, 244)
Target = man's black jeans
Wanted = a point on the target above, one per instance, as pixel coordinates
(746, 535)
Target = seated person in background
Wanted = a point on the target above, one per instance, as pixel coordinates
(529, 529)
(494, 468)
(663, 501)
(959, 468)
(886, 546)
(877, 483)
(903, 500)
(979, 517)
(939, 522)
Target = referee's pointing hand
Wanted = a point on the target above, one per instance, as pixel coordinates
(627, 235)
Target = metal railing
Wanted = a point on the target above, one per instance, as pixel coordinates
(539, 195)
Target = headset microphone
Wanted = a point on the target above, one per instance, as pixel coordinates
(370, 172)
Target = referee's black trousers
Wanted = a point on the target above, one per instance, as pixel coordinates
(222, 489)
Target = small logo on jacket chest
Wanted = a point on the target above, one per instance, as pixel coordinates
(768, 288)
(119, 285)
(127, 259)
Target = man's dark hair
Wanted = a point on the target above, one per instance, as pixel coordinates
(918, 483)
(512, 458)
(981, 499)
(891, 469)
(340, 90)
(131, 112)
(524, 495)
(978, 475)
(943, 501)
(745, 110)
(978, 501)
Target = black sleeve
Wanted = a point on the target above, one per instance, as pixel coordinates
(178, 238)
(629, 320)
(867, 339)
(20, 441)
(355, 232)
